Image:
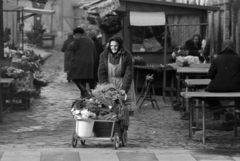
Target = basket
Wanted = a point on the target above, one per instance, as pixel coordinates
(104, 129)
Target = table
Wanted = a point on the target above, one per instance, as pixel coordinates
(203, 96)
(188, 70)
(7, 83)
(195, 82)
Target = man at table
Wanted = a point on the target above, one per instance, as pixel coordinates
(224, 73)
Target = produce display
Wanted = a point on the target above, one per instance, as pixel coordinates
(25, 68)
(187, 60)
(138, 60)
(105, 104)
(12, 72)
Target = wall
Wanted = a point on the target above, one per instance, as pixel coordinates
(10, 21)
(226, 25)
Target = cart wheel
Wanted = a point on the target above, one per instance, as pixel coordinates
(74, 141)
(116, 141)
(124, 138)
(83, 142)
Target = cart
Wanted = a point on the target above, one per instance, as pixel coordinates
(103, 130)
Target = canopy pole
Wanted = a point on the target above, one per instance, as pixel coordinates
(165, 62)
(1, 54)
(22, 26)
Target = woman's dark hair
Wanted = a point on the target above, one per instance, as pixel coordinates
(197, 35)
(118, 40)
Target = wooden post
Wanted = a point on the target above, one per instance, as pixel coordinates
(219, 43)
(1, 53)
(22, 28)
(165, 63)
(212, 34)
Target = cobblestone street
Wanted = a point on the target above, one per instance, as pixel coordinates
(48, 123)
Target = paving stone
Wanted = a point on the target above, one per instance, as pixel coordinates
(172, 157)
(1, 153)
(212, 157)
(124, 156)
(21, 156)
(98, 157)
(60, 156)
(236, 158)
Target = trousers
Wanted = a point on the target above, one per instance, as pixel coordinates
(81, 84)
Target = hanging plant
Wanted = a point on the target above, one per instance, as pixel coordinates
(110, 24)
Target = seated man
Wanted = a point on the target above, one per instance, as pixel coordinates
(224, 73)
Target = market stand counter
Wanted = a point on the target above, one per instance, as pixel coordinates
(25, 70)
(174, 75)
(7, 92)
(155, 69)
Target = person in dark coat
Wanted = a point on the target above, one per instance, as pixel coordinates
(224, 73)
(116, 67)
(82, 63)
(99, 49)
(194, 47)
(113, 57)
(67, 54)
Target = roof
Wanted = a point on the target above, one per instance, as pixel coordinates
(38, 11)
(174, 4)
(14, 8)
(11, 8)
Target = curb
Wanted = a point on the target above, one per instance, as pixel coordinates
(45, 57)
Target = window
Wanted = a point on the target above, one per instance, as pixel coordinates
(148, 38)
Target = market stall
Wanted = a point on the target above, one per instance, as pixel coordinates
(18, 15)
(152, 29)
(24, 71)
(21, 77)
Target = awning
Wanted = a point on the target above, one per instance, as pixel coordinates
(101, 7)
(38, 11)
(147, 18)
(11, 8)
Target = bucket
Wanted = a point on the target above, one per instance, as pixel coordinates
(84, 128)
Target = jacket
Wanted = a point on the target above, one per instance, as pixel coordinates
(193, 50)
(127, 67)
(67, 54)
(83, 59)
(224, 72)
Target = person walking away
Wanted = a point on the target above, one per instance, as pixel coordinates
(115, 67)
(224, 73)
(82, 64)
(67, 54)
(99, 49)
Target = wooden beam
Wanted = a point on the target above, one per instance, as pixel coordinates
(1, 53)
